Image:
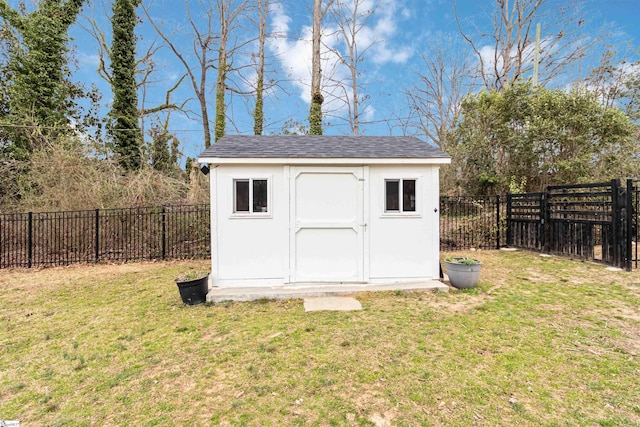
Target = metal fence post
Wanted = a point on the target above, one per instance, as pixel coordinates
(615, 223)
(629, 214)
(509, 232)
(30, 239)
(164, 233)
(97, 239)
(497, 221)
(545, 221)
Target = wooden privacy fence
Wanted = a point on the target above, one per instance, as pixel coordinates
(62, 238)
(588, 221)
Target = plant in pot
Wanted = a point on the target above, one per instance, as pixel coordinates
(193, 287)
(463, 272)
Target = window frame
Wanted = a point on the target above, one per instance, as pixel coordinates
(401, 212)
(250, 213)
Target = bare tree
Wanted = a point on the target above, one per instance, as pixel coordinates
(616, 80)
(252, 79)
(350, 18)
(436, 99)
(506, 52)
(315, 109)
(203, 41)
(228, 13)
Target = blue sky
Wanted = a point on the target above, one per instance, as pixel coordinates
(401, 29)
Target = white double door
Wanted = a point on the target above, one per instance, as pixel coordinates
(326, 238)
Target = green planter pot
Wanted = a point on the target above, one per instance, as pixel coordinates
(463, 275)
(193, 291)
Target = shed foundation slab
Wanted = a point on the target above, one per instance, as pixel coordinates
(298, 291)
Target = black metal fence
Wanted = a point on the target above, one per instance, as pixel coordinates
(472, 222)
(524, 220)
(588, 221)
(62, 238)
(172, 232)
(633, 232)
(596, 222)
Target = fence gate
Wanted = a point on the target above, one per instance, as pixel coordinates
(633, 207)
(586, 221)
(525, 218)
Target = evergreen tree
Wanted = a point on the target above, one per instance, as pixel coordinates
(124, 128)
(163, 149)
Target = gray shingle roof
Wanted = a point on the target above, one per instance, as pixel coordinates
(322, 147)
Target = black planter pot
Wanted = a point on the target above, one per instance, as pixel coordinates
(193, 291)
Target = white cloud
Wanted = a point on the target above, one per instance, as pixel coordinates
(294, 51)
(294, 55)
(491, 61)
(89, 60)
(385, 29)
(381, 30)
(369, 113)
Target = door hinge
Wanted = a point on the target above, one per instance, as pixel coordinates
(361, 179)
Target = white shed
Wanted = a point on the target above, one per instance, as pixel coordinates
(288, 210)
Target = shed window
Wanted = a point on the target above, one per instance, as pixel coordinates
(250, 196)
(400, 195)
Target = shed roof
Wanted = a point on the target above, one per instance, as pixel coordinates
(321, 147)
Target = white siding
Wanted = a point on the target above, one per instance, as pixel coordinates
(251, 249)
(256, 250)
(404, 246)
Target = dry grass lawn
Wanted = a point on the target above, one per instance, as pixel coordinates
(541, 341)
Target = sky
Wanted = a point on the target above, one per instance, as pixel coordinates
(398, 32)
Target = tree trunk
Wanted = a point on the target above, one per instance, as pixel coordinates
(258, 113)
(315, 109)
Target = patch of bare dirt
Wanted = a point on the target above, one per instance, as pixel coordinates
(455, 302)
(622, 317)
(371, 405)
(460, 306)
(627, 321)
(551, 307)
(633, 284)
(536, 276)
(383, 420)
(630, 345)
